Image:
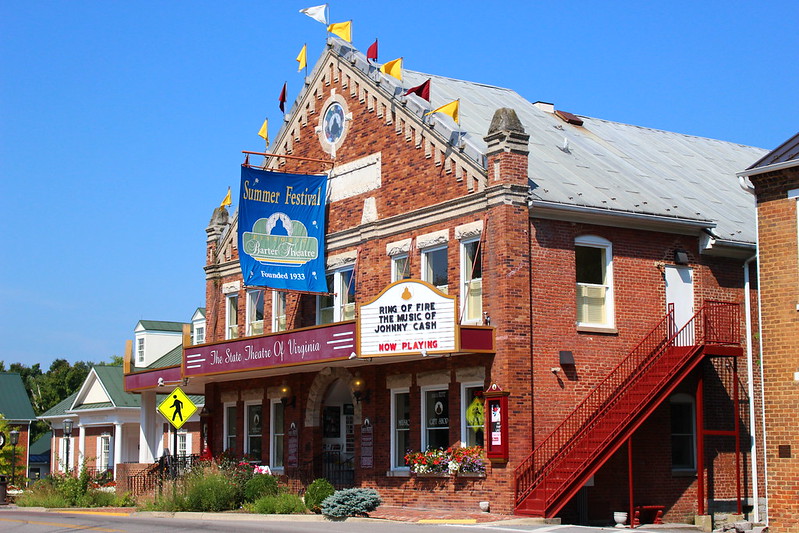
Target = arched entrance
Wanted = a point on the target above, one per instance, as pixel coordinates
(338, 434)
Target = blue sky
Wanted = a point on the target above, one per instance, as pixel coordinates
(122, 123)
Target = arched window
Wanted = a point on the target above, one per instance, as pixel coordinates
(593, 257)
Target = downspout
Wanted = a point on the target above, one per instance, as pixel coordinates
(747, 186)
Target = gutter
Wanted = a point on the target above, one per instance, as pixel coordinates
(768, 168)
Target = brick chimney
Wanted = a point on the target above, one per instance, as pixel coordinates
(507, 149)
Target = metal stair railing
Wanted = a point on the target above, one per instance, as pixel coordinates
(647, 366)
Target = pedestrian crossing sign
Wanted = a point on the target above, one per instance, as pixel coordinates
(177, 408)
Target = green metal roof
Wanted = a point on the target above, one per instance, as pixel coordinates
(161, 325)
(42, 444)
(90, 406)
(14, 401)
(172, 358)
(113, 380)
(60, 409)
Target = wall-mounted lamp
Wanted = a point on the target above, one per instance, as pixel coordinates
(360, 394)
(205, 412)
(286, 398)
(681, 257)
(555, 370)
(566, 358)
(353, 355)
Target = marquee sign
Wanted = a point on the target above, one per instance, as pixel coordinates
(408, 317)
(282, 230)
(310, 345)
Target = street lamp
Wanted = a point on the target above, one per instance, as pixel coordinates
(67, 434)
(14, 440)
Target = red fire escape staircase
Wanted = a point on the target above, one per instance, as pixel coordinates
(561, 464)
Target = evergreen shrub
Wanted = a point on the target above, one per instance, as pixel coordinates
(351, 502)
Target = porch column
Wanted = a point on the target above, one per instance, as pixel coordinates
(81, 447)
(117, 447)
(148, 441)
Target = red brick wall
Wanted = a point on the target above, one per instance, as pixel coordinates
(779, 278)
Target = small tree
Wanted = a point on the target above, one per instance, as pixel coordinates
(5, 453)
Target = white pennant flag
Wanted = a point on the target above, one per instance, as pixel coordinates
(317, 13)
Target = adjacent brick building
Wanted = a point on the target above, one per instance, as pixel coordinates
(577, 251)
(775, 181)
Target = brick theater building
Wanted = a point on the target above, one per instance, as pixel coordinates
(774, 180)
(565, 292)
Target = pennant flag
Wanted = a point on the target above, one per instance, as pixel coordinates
(371, 53)
(302, 57)
(264, 131)
(393, 68)
(342, 29)
(282, 99)
(316, 12)
(422, 91)
(226, 202)
(450, 109)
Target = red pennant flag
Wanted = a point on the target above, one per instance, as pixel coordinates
(422, 91)
(282, 99)
(372, 52)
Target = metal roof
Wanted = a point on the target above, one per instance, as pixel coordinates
(161, 325)
(787, 151)
(14, 401)
(615, 167)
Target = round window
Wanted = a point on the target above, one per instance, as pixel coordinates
(333, 123)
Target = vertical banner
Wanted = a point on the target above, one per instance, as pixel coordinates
(282, 230)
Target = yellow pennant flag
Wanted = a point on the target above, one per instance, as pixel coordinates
(302, 57)
(264, 131)
(342, 29)
(393, 68)
(450, 109)
(226, 202)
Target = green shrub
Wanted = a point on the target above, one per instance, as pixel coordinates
(279, 504)
(316, 493)
(351, 502)
(211, 492)
(259, 486)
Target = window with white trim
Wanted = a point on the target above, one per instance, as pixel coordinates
(199, 335)
(340, 304)
(471, 282)
(279, 311)
(255, 312)
(253, 430)
(434, 267)
(400, 427)
(400, 267)
(683, 432)
(473, 414)
(276, 434)
(183, 443)
(230, 426)
(232, 316)
(63, 443)
(593, 259)
(435, 417)
(103, 452)
(140, 351)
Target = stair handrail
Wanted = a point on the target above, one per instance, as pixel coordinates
(663, 334)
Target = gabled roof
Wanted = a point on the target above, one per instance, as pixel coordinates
(42, 445)
(787, 151)
(198, 314)
(598, 165)
(14, 401)
(160, 325)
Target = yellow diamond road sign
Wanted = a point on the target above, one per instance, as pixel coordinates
(177, 408)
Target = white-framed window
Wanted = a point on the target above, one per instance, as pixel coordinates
(232, 316)
(199, 335)
(255, 312)
(276, 434)
(140, 351)
(184, 443)
(279, 311)
(471, 282)
(63, 444)
(400, 267)
(253, 429)
(683, 432)
(230, 426)
(435, 267)
(593, 259)
(340, 305)
(473, 414)
(435, 417)
(103, 452)
(400, 427)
